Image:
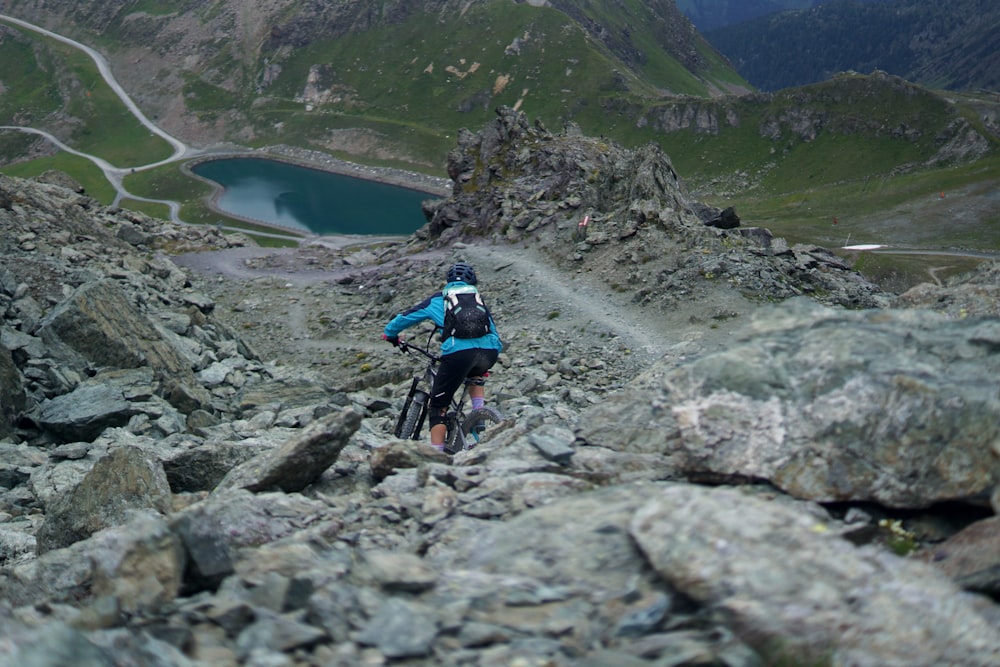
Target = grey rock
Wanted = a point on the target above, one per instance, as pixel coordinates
(301, 460)
(400, 629)
(554, 444)
(133, 235)
(793, 591)
(98, 325)
(139, 563)
(214, 530)
(278, 633)
(123, 481)
(401, 454)
(888, 406)
(233, 616)
(336, 609)
(17, 463)
(15, 547)
(63, 474)
(12, 397)
(610, 658)
(14, 340)
(52, 646)
(644, 615)
(101, 402)
(971, 557)
(203, 467)
(579, 541)
(140, 648)
(398, 571)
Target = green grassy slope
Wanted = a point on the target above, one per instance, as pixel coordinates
(418, 89)
(49, 85)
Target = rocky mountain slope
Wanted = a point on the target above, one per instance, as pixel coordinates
(710, 14)
(950, 45)
(709, 458)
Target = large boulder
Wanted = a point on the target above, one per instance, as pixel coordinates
(301, 460)
(106, 400)
(139, 564)
(124, 481)
(799, 594)
(215, 530)
(896, 407)
(98, 326)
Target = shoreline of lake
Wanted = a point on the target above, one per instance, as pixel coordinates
(302, 157)
(315, 160)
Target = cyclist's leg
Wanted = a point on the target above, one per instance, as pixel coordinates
(451, 373)
(477, 375)
(477, 392)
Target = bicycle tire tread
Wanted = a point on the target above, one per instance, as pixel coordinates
(409, 424)
(484, 414)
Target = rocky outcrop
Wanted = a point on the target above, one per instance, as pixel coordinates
(691, 537)
(599, 207)
(99, 333)
(974, 295)
(300, 461)
(96, 326)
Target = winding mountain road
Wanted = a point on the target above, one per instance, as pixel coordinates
(180, 148)
(115, 175)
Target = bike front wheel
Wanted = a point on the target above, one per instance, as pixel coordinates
(412, 417)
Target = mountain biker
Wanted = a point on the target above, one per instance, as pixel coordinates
(461, 356)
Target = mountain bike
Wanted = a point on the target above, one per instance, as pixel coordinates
(465, 430)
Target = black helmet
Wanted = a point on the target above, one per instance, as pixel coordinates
(462, 273)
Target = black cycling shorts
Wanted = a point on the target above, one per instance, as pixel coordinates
(454, 368)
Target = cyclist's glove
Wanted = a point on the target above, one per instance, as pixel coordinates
(393, 340)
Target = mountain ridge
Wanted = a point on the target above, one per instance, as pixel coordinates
(729, 148)
(950, 45)
(712, 14)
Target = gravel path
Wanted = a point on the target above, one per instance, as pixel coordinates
(306, 306)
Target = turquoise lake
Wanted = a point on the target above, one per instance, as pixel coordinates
(286, 195)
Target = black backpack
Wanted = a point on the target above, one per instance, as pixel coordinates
(465, 314)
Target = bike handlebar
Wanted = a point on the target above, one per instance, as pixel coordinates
(405, 348)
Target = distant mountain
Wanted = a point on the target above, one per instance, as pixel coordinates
(711, 14)
(951, 45)
(378, 78)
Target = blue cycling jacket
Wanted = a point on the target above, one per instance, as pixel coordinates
(432, 308)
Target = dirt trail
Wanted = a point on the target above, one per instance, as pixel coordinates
(278, 298)
(578, 299)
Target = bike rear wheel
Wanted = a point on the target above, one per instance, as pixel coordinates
(472, 429)
(412, 417)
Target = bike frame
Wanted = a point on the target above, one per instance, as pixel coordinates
(418, 392)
